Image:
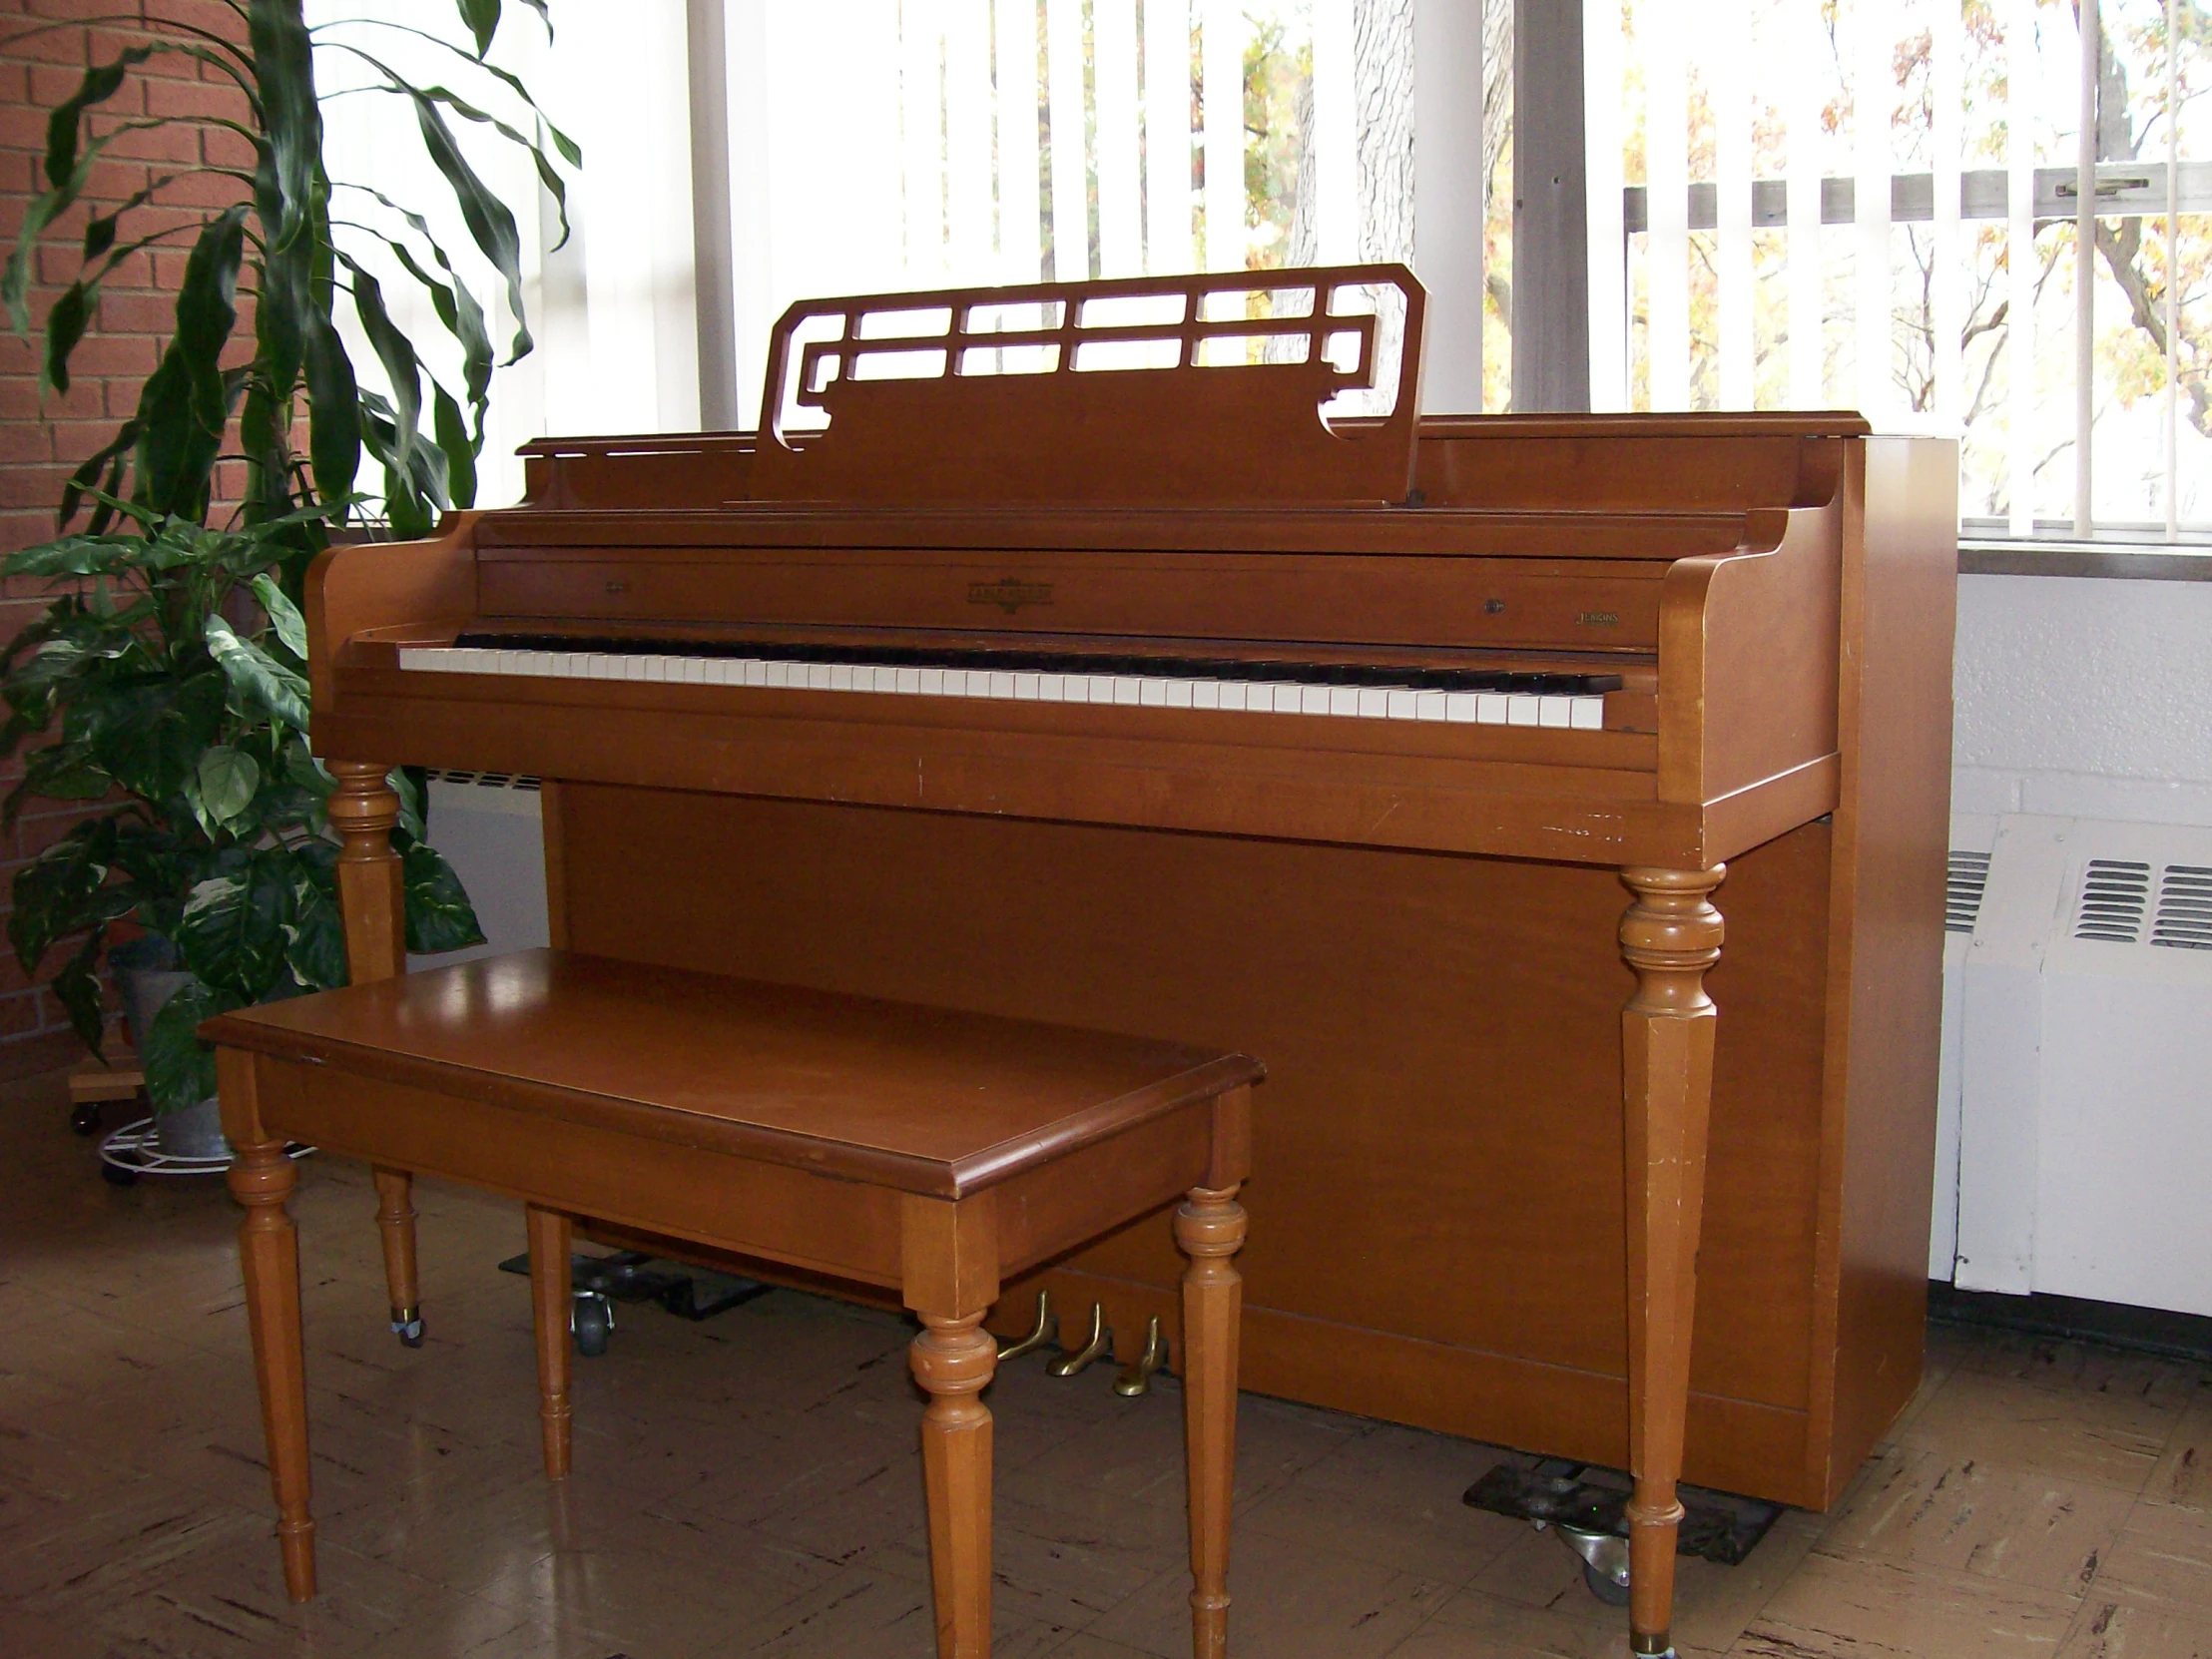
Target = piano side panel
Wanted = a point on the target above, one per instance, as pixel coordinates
(1436, 1204)
(1886, 989)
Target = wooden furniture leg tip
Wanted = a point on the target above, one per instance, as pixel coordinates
(296, 1540)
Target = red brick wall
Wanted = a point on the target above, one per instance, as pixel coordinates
(41, 442)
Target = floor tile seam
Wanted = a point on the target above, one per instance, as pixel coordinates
(1878, 1558)
(2133, 1488)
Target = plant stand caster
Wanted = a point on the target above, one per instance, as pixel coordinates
(115, 1175)
(85, 1120)
(591, 1319)
(407, 1325)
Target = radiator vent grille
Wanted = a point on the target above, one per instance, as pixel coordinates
(1967, 880)
(487, 779)
(2115, 895)
(2184, 916)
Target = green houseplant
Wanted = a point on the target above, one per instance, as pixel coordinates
(165, 687)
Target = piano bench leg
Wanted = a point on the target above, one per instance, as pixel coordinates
(549, 1306)
(262, 1179)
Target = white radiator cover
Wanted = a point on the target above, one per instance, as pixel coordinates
(2075, 1123)
(490, 827)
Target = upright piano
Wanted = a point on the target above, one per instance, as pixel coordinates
(1131, 654)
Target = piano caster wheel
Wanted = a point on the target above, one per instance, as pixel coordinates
(1043, 1332)
(592, 1319)
(1097, 1346)
(407, 1325)
(1604, 1563)
(85, 1120)
(1602, 1586)
(1135, 1380)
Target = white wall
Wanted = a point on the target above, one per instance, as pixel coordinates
(2084, 697)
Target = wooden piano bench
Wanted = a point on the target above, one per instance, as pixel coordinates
(932, 1152)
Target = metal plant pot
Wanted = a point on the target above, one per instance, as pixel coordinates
(147, 974)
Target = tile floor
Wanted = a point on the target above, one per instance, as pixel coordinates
(749, 1485)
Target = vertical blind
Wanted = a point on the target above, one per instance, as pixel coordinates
(1953, 215)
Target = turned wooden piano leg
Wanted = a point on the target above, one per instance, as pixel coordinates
(373, 902)
(550, 1302)
(954, 1359)
(262, 1179)
(1670, 936)
(1210, 1228)
(395, 1219)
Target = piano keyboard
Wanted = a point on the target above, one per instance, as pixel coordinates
(1255, 686)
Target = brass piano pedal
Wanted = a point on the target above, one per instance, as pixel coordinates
(1100, 1344)
(1046, 1327)
(1135, 1380)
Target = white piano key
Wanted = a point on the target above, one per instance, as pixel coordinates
(1053, 688)
(1461, 707)
(1489, 708)
(908, 681)
(1127, 689)
(655, 667)
(1153, 693)
(932, 681)
(1521, 709)
(1098, 687)
(1179, 693)
(633, 668)
(694, 670)
(1588, 714)
(1206, 694)
(721, 670)
(1002, 685)
(504, 662)
(1375, 703)
(1313, 700)
(1429, 705)
(1238, 694)
(840, 677)
(755, 670)
(1344, 700)
(780, 674)
(1401, 703)
(1555, 712)
(1025, 688)
(596, 665)
(418, 660)
(1289, 696)
(818, 677)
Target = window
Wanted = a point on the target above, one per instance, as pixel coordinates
(1879, 204)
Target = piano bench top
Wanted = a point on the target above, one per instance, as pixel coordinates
(928, 1100)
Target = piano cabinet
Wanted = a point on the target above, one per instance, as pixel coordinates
(1513, 1176)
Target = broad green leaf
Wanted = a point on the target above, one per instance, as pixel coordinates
(486, 217)
(101, 83)
(284, 58)
(402, 368)
(66, 320)
(439, 915)
(232, 932)
(259, 683)
(76, 989)
(333, 410)
(85, 481)
(481, 18)
(147, 732)
(458, 445)
(182, 409)
(406, 783)
(228, 780)
(51, 895)
(315, 941)
(180, 1068)
(283, 616)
